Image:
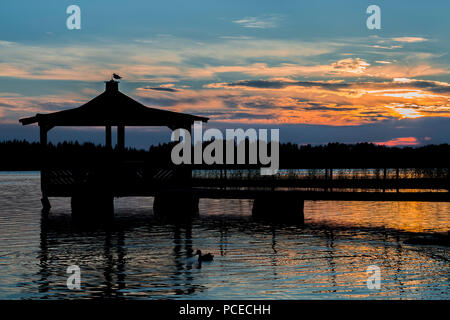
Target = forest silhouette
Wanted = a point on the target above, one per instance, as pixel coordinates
(21, 155)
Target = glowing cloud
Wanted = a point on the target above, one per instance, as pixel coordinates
(404, 141)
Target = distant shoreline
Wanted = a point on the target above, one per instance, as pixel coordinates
(28, 156)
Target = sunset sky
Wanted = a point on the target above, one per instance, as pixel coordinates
(311, 68)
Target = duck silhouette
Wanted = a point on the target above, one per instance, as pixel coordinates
(204, 257)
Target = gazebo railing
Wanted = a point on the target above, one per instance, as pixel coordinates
(118, 178)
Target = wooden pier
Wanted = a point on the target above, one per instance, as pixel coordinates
(176, 192)
(92, 183)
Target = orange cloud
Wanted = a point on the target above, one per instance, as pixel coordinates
(276, 97)
(337, 102)
(279, 100)
(405, 141)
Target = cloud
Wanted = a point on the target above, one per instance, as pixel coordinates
(236, 37)
(7, 43)
(404, 141)
(240, 79)
(174, 59)
(376, 46)
(261, 22)
(350, 65)
(278, 84)
(15, 107)
(339, 102)
(382, 87)
(147, 59)
(409, 39)
(406, 112)
(160, 89)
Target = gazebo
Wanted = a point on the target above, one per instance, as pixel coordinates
(110, 109)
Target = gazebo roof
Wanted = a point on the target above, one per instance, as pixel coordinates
(114, 108)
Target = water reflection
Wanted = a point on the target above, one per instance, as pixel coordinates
(145, 259)
(183, 260)
(43, 284)
(140, 257)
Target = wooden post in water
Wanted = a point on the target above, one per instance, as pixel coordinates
(331, 179)
(397, 175)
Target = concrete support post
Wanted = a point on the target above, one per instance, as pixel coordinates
(176, 205)
(92, 207)
(279, 207)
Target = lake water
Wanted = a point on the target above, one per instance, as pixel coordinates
(142, 258)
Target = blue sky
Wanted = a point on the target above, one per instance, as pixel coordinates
(313, 69)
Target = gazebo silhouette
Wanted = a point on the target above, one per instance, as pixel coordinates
(110, 109)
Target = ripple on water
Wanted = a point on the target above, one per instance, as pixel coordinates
(142, 258)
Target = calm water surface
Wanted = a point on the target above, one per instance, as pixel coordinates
(139, 257)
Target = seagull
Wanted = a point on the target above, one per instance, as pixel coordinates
(205, 257)
(116, 76)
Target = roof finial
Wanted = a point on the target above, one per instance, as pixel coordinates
(112, 85)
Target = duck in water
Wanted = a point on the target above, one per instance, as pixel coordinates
(204, 257)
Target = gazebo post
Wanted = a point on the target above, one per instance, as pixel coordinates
(108, 137)
(43, 130)
(121, 137)
(43, 136)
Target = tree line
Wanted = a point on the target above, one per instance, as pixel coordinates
(23, 155)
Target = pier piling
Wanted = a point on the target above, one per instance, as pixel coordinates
(91, 206)
(178, 205)
(280, 207)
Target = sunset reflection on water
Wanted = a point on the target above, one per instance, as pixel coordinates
(142, 258)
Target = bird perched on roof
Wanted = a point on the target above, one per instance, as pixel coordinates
(204, 257)
(116, 76)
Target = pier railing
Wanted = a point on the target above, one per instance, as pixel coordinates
(328, 179)
(115, 176)
(119, 174)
